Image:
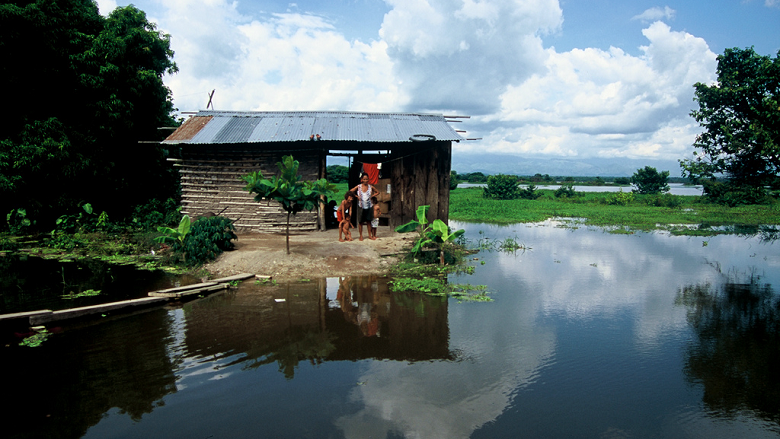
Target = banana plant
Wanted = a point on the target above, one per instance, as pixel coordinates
(177, 234)
(437, 234)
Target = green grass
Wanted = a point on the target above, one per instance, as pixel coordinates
(688, 216)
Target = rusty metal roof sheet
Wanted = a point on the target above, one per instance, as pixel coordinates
(215, 127)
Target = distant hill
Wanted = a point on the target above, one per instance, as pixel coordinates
(593, 167)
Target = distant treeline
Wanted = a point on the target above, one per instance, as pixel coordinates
(479, 177)
(338, 174)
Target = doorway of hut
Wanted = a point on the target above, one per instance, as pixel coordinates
(377, 167)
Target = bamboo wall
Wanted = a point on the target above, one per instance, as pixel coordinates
(211, 184)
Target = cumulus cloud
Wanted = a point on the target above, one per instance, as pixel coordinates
(286, 61)
(461, 55)
(658, 13)
(483, 58)
(596, 103)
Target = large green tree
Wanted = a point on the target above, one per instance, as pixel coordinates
(649, 181)
(740, 115)
(81, 91)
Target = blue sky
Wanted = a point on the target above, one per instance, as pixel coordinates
(542, 79)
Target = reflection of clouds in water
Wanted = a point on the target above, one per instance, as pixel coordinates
(450, 399)
(587, 273)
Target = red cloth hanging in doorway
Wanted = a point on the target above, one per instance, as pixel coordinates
(372, 169)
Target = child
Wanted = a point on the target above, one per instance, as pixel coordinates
(344, 227)
(344, 211)
(375, 219)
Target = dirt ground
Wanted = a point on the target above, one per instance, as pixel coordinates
(312, 254)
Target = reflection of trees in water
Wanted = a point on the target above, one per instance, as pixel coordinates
(765, 233)
(298, 344)
(736, 355)
(69, 384)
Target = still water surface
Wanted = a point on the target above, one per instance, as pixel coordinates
(590, 335)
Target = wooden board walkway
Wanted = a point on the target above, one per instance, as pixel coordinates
(40, 317)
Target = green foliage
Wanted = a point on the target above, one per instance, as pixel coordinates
(620, 198)
(438, 234)
(649, 181)
(36, 339)
(101, 80)
(502, 187)
(17, 220)
(622, 180)
(454, 180)
(665, 200)
(740, 115)
(591, 208)
(179, 234)
(732, 193)
(288, 190)
(432, 280)
(150, 215)
(72, 223)
(208, 238)
(337, 174)
(565, 191)
(85, 293)
(530, 192)
(473, 177)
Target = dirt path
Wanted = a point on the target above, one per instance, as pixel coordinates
(312, 254)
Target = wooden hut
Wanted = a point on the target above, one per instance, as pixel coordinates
(218, 147)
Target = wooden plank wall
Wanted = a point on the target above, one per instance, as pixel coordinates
(420, 176)
(211, 184)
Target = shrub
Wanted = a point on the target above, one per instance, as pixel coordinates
(665, 200)
(502, 187)
(565, 191)
(208, 238)
(530, 193)
(733, 194)
(156, 212)
(620, 198)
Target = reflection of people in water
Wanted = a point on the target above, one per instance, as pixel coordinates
(359, 303)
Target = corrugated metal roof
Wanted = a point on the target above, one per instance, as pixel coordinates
(214, 127)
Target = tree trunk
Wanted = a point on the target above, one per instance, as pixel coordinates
(288, 233)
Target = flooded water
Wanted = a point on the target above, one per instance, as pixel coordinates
(31, 283)
(591, 335)
(674, 188)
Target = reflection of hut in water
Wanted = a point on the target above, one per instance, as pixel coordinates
(368, 323)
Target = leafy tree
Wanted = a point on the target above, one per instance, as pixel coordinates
(740, 115)
(649, 181)
(81, 102)
(288, 190)
(622, 180)
(337, 174)
(502, 187)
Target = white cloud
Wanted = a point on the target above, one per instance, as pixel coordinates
(772, 3)
(461, 56)
(106, 6)
(483, 58)
(274, 62)
(595, 103)
(658, 13)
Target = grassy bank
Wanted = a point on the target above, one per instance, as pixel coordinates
(680, 214)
